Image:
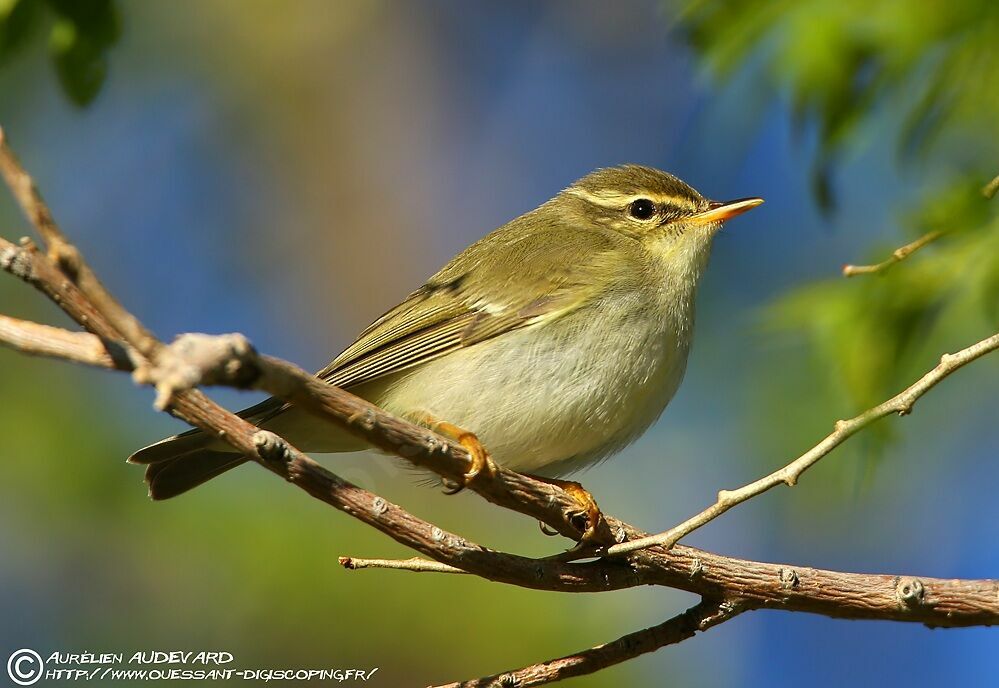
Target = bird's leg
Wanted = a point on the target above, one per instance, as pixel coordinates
(587, 506)
(479, 459)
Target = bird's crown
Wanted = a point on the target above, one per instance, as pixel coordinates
(617, 187)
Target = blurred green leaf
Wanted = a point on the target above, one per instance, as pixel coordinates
(839, 64)
(17, 20)
(79, 42)
(81, 36)
(848, 345)
(937, 60)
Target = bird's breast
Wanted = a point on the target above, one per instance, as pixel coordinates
(552, 401)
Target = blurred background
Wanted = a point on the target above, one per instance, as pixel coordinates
(291, 170)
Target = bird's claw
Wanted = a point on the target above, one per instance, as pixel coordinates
(550, 532)
(480, 463)
(587, 508)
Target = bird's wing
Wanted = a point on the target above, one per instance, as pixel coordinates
(504, 282)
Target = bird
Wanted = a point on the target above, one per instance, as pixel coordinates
(545, 347)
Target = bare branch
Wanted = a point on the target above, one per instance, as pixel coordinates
(842, 595)
(901, 404)
(935, 602)
(415, 564)
(119, 341)
(681, 627)
(897, 256)
(278, 456)
(903, 252)
(55, 342)
(176, 365)
(67, 257)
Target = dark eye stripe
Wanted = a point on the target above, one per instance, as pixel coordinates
(672, 212)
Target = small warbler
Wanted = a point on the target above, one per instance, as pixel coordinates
(553, 342)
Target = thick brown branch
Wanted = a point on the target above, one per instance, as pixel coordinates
(681, 627)
(120, 341)
(931, 601)
(246, 368)
(278, 456)
(235, 362)
(900, 404)
(941, 602)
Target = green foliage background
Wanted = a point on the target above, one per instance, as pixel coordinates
(926, 75)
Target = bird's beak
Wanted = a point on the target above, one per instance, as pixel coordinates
(719, 211)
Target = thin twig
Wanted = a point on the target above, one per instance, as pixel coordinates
(414, 564)
(788, 475)
(903, 252)
(67, 257)
(55, 342)
(700, 617)
(898, 255)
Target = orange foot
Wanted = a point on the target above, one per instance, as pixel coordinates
(587, 507)
(479, 459)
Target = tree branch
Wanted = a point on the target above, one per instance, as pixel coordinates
(414, 564)
(901, 404)
(55, 342)
(903, 252)
(841, 595)
(897, 256)
(118, 340)
(168, 366)
(701, 617)
(67, 257)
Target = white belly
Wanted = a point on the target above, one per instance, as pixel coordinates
(550, 406)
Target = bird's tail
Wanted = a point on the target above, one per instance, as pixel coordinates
(182, 462)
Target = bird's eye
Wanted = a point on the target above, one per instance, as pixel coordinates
(642, 209)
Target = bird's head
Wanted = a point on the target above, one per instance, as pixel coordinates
(648, 204)
(672, 221)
